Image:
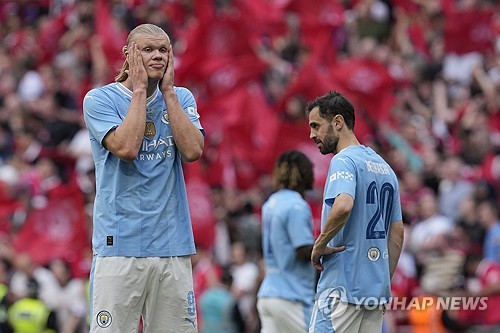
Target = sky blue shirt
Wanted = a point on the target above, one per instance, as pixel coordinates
(141, 206)
(286, 226)
(361, 271)
(217, 306)
(491, 245)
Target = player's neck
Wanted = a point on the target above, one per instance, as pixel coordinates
(152, 86)
(347, 141)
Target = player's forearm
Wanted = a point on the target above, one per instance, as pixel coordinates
(336, 219)
(335, 222)
(331, 228)
(126, 139)
(396, 237)
(187, 136)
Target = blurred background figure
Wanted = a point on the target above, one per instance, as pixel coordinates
(27, 270)
(30, 314)
(245, 275)
(72, 307)
(487, 212)
(219, 308)
(426, 84)
(286, 295)
(453, 188)
(483, 281)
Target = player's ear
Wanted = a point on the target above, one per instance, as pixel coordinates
(338, 121)
(125, 50)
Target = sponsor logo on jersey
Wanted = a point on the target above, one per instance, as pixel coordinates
(192, 111)
(346, 175)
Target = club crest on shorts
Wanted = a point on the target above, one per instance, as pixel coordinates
(104, 319)
(150, 130)
(373, 254)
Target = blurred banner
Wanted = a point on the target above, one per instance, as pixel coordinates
(111, 33)
(58, 230)
(469, 31)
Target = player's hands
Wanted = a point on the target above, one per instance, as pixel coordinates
(320, 250)
(136, 72)
(167, 82)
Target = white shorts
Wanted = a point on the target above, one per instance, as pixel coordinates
(334, 316)
(280, 315)
(160, 289)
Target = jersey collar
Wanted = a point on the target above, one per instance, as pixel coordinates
(127, 92)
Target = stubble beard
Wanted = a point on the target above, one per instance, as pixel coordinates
(330, 142)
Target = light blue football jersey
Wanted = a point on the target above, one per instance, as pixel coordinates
(141, 207)
(286, 226)
(361, 271)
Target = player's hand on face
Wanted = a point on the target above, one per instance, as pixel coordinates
(167, 81)
(319, 251)
(136, 72)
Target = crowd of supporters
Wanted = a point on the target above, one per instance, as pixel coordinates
(424, 76)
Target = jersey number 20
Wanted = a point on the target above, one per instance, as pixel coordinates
(383, 199)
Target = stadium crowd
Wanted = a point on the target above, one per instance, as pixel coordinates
(424, 74)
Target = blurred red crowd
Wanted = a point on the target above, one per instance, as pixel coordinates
(424, 77)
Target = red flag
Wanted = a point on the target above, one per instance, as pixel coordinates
(365, 82)
(57, 230)
(205, 10)
(317, 17)
(49, 34)
(416, 33)
(222, 38)
(263, 16)
(318, 12)
(200, 206)
(225, 74)
(369, 83)
(310, 82)
(469, 31)
(112, 35)
(291, 134)
(250, 127)
(410, 7)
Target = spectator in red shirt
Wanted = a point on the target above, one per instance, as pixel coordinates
(487, 273)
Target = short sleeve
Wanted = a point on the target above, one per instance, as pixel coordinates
(188, 103)
(99, 114)
(397, 214)
(341, 179)
(299, 225)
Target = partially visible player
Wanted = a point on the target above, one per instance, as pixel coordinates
(141, 128)
(286, 295)
(361, 224)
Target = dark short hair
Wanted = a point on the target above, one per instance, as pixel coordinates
(293, 170)
(331, 104)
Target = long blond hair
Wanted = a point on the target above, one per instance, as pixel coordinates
(146, 29)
